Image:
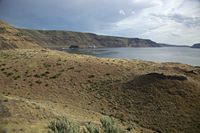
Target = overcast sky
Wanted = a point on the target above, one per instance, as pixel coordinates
(165, 21)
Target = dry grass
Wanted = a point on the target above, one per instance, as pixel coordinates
(43, 84)
(11, 38)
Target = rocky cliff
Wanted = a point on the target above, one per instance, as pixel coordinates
(196, 45)
(67, 38)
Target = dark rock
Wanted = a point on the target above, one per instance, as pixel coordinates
(196, 45)
(73, 47)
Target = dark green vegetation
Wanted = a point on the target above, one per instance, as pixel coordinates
(64, 125)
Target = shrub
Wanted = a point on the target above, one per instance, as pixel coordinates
(8, 73)
(109, 126)
(46, 65)
(63, 125)
(37, 76)
(2, 69)
(38, 82)
(91, 128)
(55, 76)
(58, 64)
(16, 77)
(91, 76)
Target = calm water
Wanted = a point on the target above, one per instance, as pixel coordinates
(184, 55)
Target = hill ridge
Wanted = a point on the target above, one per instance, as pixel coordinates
(27, 38)
(11, 38)
(197, 45)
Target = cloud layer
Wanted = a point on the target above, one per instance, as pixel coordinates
(166, 21)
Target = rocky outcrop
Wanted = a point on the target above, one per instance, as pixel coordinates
(196, 45)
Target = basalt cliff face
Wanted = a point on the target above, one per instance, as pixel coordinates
(11, 38)
(67, 38)
(196, 45)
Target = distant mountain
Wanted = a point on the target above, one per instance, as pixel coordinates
(11, 37)
(196, 45)
(170, 45)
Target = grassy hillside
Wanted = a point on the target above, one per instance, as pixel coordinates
(40, 85)
(11, 38)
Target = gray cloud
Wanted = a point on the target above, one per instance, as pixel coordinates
(75, 15)
(149, 17)
(187, 21)
(78, 15)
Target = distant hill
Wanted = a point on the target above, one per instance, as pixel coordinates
(196, 45)
(83, 40)
(170, 45)
(11, 38)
